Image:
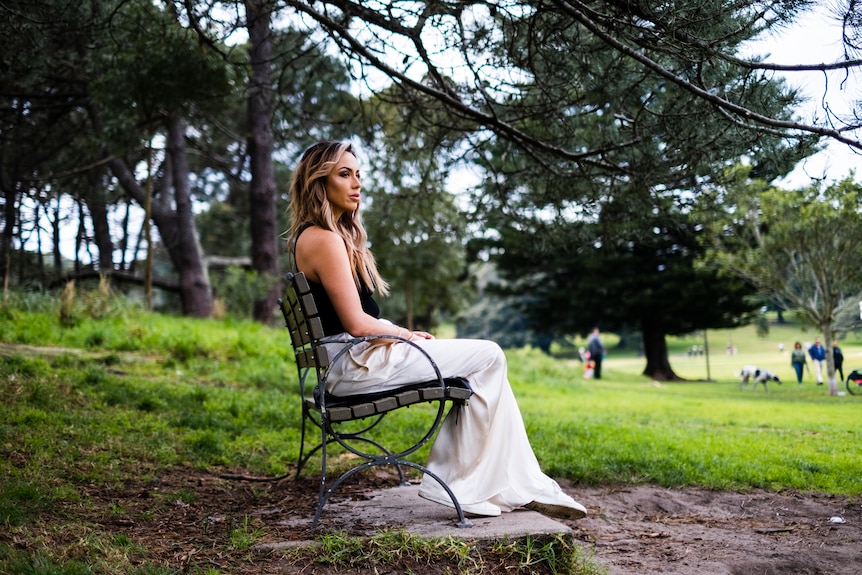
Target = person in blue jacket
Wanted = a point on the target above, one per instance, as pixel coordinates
(818, 356)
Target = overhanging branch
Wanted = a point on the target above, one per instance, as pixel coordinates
(578, 12)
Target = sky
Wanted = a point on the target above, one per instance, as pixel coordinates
(813, 40)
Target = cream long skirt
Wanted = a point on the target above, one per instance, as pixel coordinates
(483, 454)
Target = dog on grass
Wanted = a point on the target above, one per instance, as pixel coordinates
(763, 376)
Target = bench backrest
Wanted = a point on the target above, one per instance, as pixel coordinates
(303, 323)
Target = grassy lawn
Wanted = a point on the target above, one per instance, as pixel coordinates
(627, 428)
(115, 398)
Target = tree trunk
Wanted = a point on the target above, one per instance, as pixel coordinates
(176, 228)
(97, 204)
(182, 242)
(830, 357)
(124, 237)
(262, 209)
(655, 349)
(10, 195)
(176, 223)
(55, 238)
(80, 234)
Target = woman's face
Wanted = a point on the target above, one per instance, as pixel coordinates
(343, 185)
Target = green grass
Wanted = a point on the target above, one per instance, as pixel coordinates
(114, 399)
(626, 428)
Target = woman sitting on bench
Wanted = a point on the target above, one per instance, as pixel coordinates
(484, 454)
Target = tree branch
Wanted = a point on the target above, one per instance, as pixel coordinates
(442, 94)
(578, 11)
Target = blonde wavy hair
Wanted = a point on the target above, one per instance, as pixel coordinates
(309, 205)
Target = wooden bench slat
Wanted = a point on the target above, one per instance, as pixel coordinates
(459, 393)
(389, 403)
(385, 404)
(341, 414)
(432, 393)
(305, 358)
(408, 398)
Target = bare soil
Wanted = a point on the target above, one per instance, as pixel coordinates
(692, 531)
(184, 519)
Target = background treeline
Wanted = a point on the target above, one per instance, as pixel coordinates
(570, 164)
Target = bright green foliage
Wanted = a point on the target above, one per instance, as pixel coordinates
(498, 317)
(244, 536)
(801, 248)
(147, 64)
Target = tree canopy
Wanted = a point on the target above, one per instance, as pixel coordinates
(495, 64)
(643, 280)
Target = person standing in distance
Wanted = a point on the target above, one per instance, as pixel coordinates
(798, 361)
(839, 360)
(818, 356)
(597, 352)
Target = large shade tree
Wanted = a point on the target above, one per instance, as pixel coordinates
(114, 75)
(625, 280)
(91, 91)
(614, 232)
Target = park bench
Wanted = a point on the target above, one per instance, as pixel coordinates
(349, 420)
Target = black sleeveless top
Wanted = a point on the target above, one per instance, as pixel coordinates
(328, 317)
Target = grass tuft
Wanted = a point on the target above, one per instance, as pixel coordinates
(555, 554)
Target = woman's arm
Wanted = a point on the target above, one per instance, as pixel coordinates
(321, 255)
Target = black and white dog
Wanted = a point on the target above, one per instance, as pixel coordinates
(759, 375)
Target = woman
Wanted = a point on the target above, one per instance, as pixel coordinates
(484, 454)
(798, 361)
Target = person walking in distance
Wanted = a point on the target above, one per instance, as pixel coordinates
(818, 356)
(798, 361)
(597, 351)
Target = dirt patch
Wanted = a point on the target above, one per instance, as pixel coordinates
(694, 531)
(185, 520)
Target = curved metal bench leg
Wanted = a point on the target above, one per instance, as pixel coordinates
(401, 477)
(358, 435)
(386, 453)
(462, 520)
(325, 494)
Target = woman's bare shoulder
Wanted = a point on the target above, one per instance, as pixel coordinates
(318, 236)
(318, 250)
